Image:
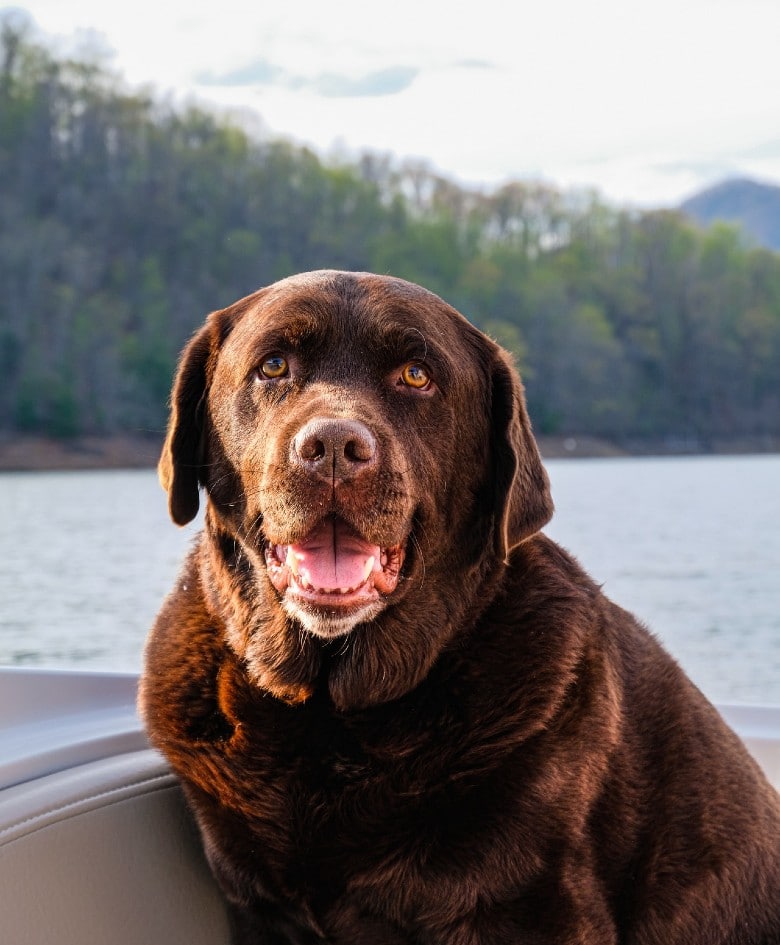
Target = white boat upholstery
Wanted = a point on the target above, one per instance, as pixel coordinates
(105, 853)
(96, 844)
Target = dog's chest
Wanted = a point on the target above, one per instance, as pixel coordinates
(336, 798)
(329, 767)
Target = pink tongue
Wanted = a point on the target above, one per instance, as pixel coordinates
(335, 557)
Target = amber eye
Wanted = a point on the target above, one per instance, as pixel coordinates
(416, 375)
(274, 367)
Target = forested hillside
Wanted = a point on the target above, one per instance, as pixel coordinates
(124, 220)
(752, 206)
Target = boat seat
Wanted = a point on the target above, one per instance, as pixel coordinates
(105, 853)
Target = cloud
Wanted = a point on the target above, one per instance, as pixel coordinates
(474, 64)
(766, 150)
(389, 81)
(718, 165)
(260, 72)
(761, 159)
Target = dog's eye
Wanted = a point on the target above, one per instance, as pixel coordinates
(274, 367)
(415, 375)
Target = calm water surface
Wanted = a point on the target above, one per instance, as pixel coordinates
(691, 545)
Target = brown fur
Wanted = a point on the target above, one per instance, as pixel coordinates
(500, 754)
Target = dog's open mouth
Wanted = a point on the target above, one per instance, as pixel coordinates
(334, 567)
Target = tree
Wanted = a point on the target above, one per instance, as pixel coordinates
(124, 220)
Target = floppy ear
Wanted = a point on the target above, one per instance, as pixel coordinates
(184, 453)
(523, 503)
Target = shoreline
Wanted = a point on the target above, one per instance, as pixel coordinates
(42, 454)
(26, 453)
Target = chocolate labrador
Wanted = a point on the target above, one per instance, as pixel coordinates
(400, 713)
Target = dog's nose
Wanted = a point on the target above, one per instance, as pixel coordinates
(334, 449)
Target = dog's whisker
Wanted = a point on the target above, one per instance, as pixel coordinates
(420, 557)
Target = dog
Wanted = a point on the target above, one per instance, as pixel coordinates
(400, 713)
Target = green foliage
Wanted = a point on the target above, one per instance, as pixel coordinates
(123, 221)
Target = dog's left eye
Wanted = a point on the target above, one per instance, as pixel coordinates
(274, 367)
(415, 375)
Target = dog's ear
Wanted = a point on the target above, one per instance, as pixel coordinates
(181, 465)
(523, 503)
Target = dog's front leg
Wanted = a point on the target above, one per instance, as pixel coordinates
(267, 924)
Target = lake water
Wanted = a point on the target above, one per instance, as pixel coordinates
(691, 545)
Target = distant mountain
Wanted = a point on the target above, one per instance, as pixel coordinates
(752, 206)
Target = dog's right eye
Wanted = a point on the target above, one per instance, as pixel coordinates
(274, 367)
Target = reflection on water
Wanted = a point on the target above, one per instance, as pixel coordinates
(691, 545)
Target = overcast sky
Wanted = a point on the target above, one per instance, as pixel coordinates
(645, 101)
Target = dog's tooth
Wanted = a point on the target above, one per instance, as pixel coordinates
(292, 561)
(369, 567)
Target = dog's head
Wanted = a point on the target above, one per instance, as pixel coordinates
(367, 452)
